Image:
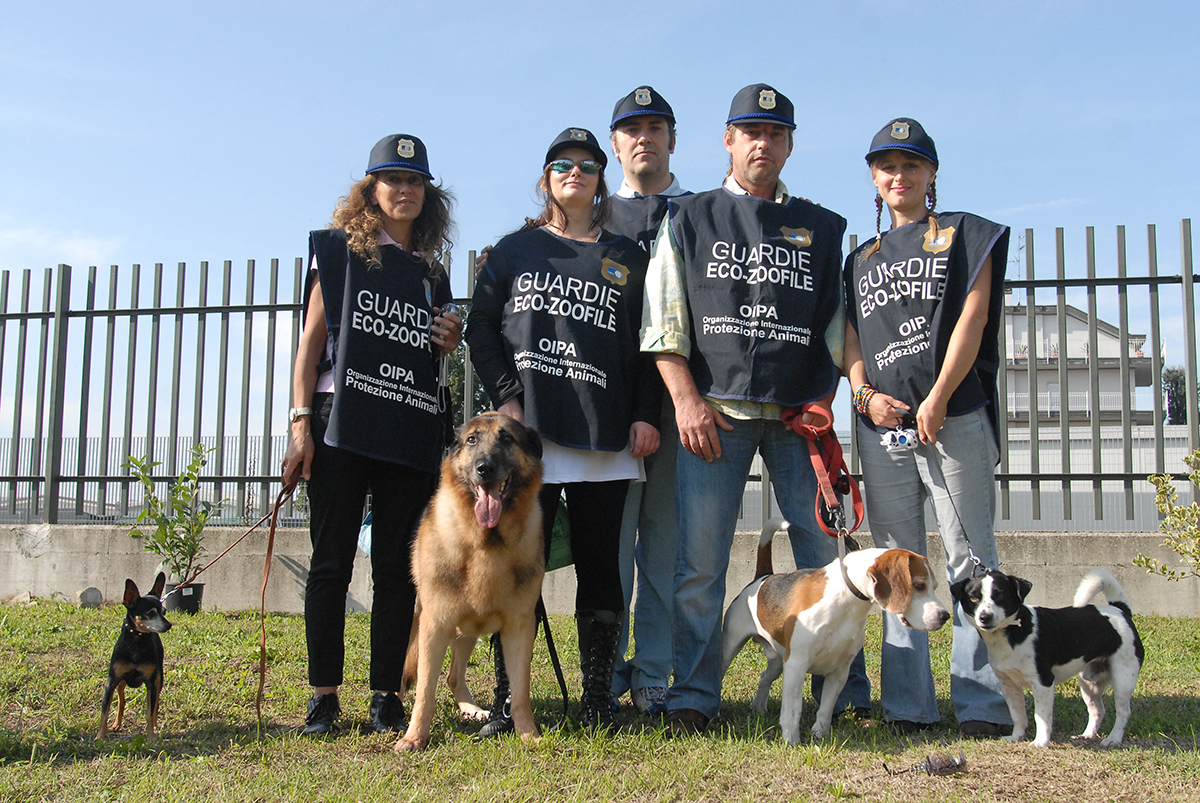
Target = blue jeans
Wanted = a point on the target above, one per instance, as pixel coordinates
(710, 495)
(650, 540)
(957, 474)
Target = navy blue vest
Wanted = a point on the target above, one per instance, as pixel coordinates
(906, 298)
(639, 218)
(569, 315)
(763, 284)
(385, 402)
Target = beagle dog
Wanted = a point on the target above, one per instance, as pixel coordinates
(813, 621)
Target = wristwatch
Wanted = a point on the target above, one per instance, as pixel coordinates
(296, 412)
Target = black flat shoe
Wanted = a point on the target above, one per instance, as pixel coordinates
(387, 713)
(323, 713)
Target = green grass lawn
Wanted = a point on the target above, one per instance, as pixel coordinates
(53, 665)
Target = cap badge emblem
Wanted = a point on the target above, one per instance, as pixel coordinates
(406, 148)
(642, 96)
(578, 135)
(800, 237)
(945, 238)
(899, 130)
(615, 272)
(766, 99)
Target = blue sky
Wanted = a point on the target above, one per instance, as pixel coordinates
(168, 132)
(165, 132)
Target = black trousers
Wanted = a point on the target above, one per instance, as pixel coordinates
(337, 492)
(595, 510)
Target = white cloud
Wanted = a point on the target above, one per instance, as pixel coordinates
(1058, 203)
(35, 247)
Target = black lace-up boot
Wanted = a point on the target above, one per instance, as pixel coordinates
(499, 720)
(599, 632)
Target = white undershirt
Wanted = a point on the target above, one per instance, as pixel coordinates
(563, 464)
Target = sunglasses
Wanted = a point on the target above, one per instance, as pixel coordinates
(589, 167)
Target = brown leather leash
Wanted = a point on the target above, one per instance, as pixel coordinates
(825, 452)
(284, 494)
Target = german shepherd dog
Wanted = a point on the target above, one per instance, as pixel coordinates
(478, 564)
(137, 657)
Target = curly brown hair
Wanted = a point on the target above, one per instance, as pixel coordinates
(358, 214)
(551, 209)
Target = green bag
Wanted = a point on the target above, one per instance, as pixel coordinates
(560, 539)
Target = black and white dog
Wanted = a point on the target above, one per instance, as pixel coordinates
(1038, 648)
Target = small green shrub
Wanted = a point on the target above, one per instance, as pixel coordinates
(1181, 527)
(179, 519)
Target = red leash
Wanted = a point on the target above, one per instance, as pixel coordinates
(832, 474)
(284, 493)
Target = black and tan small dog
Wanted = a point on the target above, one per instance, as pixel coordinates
(137, 657)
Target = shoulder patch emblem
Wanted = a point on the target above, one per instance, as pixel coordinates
(943, 242)
(579, 134)
(406, 148)
(615, 272)
(899, 130)
(766, 99)
(800, 237)
(642, 96)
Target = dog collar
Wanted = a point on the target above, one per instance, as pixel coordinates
(841, 539)
(853, 588)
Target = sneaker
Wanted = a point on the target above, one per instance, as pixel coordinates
(323, 713)
(650, 700)
(387, 713)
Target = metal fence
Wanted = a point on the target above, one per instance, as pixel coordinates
(101, 369)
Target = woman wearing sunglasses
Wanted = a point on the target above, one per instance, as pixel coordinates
(553, 332)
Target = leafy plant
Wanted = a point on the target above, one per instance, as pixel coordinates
(178, 519)
(1181, 527)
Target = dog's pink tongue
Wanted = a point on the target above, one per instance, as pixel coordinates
(487, 505)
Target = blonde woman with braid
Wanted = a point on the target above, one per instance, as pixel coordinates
(924, 303)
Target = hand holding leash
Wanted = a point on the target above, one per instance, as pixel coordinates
(828, 465)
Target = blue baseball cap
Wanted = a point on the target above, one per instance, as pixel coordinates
(904, 134)
(399, 152)
(761, 103)
(643, 100)
(577, 138)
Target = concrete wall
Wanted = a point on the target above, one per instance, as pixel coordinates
(50, 560)
(60, 560)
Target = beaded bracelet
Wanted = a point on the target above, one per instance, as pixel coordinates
(862, 398)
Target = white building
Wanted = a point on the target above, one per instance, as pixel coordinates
(1050, 348)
